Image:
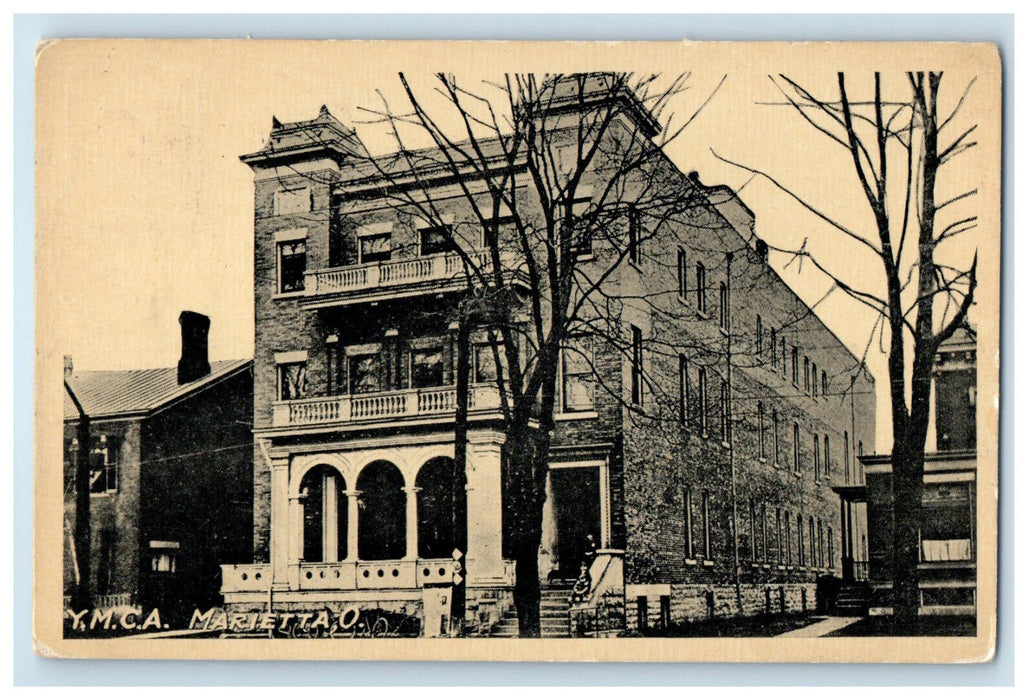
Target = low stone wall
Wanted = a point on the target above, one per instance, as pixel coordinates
(690, 602)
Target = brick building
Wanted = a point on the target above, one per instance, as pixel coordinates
(727, 406)
(170, 477)
(948, 530)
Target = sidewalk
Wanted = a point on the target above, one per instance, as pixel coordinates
(821, 628)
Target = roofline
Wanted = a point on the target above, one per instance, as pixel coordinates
(782, 281)
(178, 396)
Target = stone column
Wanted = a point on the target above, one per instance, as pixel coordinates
(353, 526)
(280, 523)
(411, 521)
(330, 518)
(484, 509)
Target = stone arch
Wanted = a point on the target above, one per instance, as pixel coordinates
(300, 466)
(435, 516)
(324, 506)
(382, 511)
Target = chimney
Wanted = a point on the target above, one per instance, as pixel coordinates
(762, 248)
(194, 355)
(68, 366)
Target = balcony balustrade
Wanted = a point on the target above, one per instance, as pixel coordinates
(407, 403)
(392, 277)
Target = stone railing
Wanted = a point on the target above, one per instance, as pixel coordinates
(602, 610)
(245, 578)
(381, 405)
(342, 575)
(391, 273)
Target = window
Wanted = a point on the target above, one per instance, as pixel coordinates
(163, 556)
(765, 535)
(706, 517)
(776, 438)
(815, 384)
(796, 457)
(682, 273)
(577, 368)
(688, 524)
(637, 366)
(848, 468)
(761, 431)
(634, 235)
(801, 542)
(292, 380)
(702, 281)
(819, 543)
(426, 368)
(830, 547)
(104, 466)
(783, 355)
(291, 266)
(751, 520)
(794, 366)
(684, 389)
(815, 456)
(375, 247)
(724, 307)
(435, 240)
(772, 348)
(582, 235)
(812, 542)
(702, 399)
(364, 373)
(725, 405)
(292, 201)
(805, 371)
(484, 361)
(823, 379)
(759, 335)
(826, 455)
(946, 530)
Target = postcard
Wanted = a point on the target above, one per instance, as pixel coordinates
(517, 350)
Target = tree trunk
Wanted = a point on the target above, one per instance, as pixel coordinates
(907, 466)
(458, 609)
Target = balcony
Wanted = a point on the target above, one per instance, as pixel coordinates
(399, 278)
(381, 406)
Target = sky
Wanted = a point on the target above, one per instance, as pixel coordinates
(144, 209)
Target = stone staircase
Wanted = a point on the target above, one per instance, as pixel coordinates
(853, 599)
(554, 605)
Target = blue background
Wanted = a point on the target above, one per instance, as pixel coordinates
(30, 29)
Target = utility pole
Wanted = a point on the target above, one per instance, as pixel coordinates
(728, 409)
(81, 599)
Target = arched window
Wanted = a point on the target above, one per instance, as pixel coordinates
(382, 512)
(324, 515)
(435, 511)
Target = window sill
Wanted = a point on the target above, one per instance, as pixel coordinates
(708, 562)
(725, 444)
(763, 460)
(279, 296)
(103, 495)
(576, 415)
(703, 315)
(690, 562)
(585, 257)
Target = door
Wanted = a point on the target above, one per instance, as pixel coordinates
(576, 507)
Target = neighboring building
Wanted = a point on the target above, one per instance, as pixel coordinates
(948, 531)
(170, 477)
(355, 408)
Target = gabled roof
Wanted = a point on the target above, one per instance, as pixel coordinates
(135, 392)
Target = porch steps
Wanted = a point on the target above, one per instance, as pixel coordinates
(554, 604)
(853, 599)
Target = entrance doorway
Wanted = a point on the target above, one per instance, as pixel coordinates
(571, 521)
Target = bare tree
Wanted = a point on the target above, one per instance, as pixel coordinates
(525, 154)
(897, 149)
